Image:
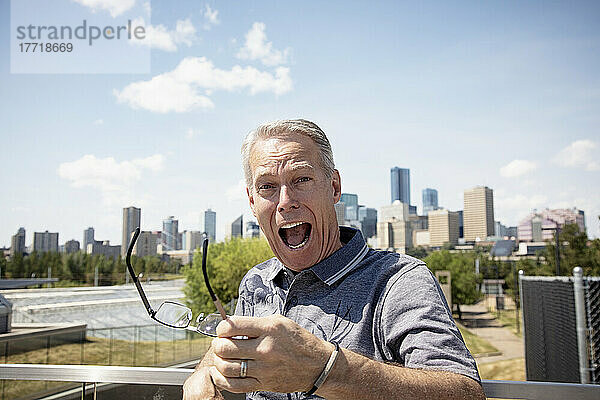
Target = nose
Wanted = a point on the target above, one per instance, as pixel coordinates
(287, 201)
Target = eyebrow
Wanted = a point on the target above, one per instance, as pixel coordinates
(296, 167)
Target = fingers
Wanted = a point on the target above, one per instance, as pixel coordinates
(241, 326)
(199, 386)
(234, 385)
(240, 349)
(233, 368)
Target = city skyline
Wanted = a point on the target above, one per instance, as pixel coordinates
(501, 95)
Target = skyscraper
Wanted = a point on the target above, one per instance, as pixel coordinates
(170, 233)
(443, 227)
(237, 227)
(71, 246)
(430, 200)
(351, 202)
(252, 230)
(478, 213)
(192, 240)
(400, 180)
(88, 237)
(146, 244)
(17, 243)
(210, 224)
(393, 227)
(368, 221)
(45, 241)
(131, 220)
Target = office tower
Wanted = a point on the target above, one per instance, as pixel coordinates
(192, 240)
(393, 227)
(71, 246)
(351, 202)
(430, 200)
(45, 241)
(17, 243)
(478, 213)
(461, 224)
(88, 237)
(400, 180)
(252, 230)
(368, 221)
(104, 248)
(210, 224)
(443, 228)
(237, 227)
(146, 244)
(170, 233)
(539, 226)
(131, 220)
(340, 212)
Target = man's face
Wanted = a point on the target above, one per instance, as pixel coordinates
(293, 200)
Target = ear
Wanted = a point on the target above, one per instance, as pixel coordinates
(336, 183)
(251, 201)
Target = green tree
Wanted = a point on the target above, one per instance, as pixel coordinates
(462, 269)
(576, 250)
(227, 263)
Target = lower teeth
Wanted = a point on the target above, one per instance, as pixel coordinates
(298, 245)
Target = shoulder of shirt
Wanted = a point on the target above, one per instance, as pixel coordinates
(401, 263)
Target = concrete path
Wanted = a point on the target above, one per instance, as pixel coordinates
(483, 324)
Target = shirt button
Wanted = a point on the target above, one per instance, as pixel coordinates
(294, 301)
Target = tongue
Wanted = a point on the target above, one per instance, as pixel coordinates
(294, 236)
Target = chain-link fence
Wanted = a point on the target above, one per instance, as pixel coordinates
(593, 322)
(550, 328)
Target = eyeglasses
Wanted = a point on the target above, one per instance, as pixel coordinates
(173, 314)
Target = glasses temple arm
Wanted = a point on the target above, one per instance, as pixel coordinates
(136, 281)
(213, 296)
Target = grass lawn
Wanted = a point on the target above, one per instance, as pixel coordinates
(475, 344)
(506, 370)
(509, 320)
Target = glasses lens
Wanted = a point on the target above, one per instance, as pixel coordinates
(173, 314)
(208, 325)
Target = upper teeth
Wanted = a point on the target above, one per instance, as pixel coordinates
(291, 225)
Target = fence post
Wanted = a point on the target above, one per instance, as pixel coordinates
(581, 325)
(523, 330)
(96, 276)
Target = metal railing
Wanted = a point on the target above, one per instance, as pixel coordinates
(176, 376)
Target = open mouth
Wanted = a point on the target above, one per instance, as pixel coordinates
(295, 234)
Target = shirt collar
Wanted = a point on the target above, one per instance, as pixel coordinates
(340, 263)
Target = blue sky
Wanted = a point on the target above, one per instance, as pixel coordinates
(502, 94)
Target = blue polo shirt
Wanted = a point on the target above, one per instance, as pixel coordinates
(383, 305)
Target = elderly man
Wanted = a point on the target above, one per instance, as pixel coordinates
(328, 316)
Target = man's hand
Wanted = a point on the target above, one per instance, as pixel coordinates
(199, 385)
(282, 356)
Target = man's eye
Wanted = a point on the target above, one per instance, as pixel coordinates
(303, 179)
(265, 186)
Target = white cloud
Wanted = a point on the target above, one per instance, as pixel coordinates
(99, 121)
(211, 17)
(112, 178)
(159, 37)
(179, 90)
(192, 133)
(519, 201)
(517, 168)
(579, 154)
(114, 7)
(257, 47)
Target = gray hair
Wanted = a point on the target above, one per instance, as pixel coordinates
(279, 128)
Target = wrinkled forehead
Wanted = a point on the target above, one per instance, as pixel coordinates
(284, 152)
